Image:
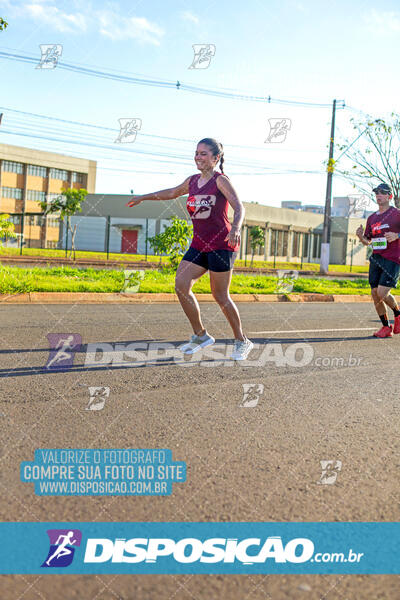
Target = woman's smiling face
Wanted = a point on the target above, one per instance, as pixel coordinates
(204, 158)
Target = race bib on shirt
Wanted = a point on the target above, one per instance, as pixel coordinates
(199, 206)
(379, 243)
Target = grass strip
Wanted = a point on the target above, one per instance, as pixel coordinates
(14, 280)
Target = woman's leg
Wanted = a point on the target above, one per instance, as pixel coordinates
(187, 274)
(219, 282)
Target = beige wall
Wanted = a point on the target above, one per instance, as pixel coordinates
(33, 182)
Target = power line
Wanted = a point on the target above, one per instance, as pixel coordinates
(140, 133)
(181, 159)
(179, 86)
(102, 142)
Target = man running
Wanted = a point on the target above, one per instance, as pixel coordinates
(382, 233)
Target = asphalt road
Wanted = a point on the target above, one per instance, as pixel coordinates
(323, 389)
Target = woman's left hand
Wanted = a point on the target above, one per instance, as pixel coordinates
(233, 237)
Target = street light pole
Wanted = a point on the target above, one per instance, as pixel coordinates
(326, 234)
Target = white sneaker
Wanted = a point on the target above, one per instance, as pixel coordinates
(196, 343)
(241, 350)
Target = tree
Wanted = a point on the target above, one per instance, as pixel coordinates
(3, 24)
(6, 228)
(374, 156)
(67, 204)
(173, 241)
(257, 240)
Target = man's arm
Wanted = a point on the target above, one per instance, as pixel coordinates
(360, 234)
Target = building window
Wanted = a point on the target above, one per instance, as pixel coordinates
(35, 195)
(37, 171)
(317, 246)
(279, 242)
(59, 174)
(285, 243)
(78, 178)
(12, 167)
(8, 192)
(53, 222)
(51, 244)
(273, 241)
(33, 220)
(296, 244)
(306, 242)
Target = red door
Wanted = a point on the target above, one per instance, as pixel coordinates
(129, 241)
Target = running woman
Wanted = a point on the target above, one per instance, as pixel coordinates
(382, 233)
(214, 245)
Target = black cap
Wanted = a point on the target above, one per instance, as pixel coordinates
(383, 188)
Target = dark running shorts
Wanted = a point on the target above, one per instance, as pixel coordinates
(383, 271)
(216, 260)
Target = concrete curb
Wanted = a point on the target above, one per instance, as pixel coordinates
(100, 298)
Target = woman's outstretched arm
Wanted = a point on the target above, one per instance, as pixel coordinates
(168, 194)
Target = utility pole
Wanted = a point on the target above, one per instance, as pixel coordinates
(326, 234)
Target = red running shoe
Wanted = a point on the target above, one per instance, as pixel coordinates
(396, 327)
(384, 332)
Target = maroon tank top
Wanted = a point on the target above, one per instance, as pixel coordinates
(208, 209)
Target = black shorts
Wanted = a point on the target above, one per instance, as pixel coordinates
(383, 271)
(216, 260)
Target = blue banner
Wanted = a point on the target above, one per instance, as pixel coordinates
(208, 548)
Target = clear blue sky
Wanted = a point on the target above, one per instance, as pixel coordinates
(308, 50)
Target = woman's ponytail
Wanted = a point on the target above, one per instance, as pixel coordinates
(221, 163)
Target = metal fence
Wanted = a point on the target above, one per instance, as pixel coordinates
(117, 235)
(109, 235)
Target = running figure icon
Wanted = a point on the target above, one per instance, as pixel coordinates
(62, 549)
(63, 544)
(63, 348)
(62, 354)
